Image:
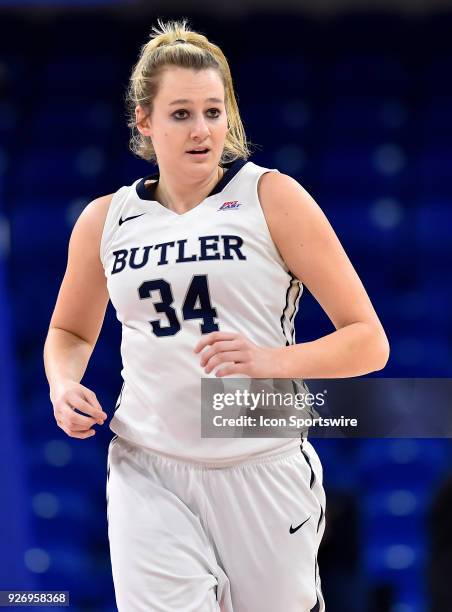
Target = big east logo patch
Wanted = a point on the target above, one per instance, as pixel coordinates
(229, 205)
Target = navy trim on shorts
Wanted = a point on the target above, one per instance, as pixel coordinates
(308, 461)
(320, 604)
(322, 514)
(316, 608)
(115, 437)
(108, 467)
(118, 403)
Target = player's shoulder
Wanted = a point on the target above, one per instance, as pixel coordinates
(271, 182)
(90, 224)
(97, 209)
(280, 192)
(93, 224)
(95, 212)
(99, 206)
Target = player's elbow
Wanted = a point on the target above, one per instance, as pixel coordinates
(381, 350)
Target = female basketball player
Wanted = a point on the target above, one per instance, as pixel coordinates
(204, 263)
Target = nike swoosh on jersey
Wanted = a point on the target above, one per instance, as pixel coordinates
(293, 530)
(121, 220)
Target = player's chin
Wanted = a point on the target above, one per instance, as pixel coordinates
(203, 167)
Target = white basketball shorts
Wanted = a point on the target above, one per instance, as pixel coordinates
(186, 537)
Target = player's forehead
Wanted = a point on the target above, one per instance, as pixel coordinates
(185, 86)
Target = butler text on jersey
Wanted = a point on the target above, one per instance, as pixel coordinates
(177, 251)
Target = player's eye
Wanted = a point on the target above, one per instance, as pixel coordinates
(178, 113)
(212, 113)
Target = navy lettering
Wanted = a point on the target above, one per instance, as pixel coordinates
(182, 258)
(164, 245)
(229, 246)
(144, 259)
(209, 249)
(205, 247)
(120, 260)
(165, 306)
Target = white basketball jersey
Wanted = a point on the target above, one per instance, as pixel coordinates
(174, 277)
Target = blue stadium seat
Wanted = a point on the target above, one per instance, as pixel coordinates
(55, 171)
(401, 462)
(435, 125)
(433, 219)
(369, 74)
(70, 121)
(361, 119)
(97, 77)
(393, 560)
(432, 170)
(433, 75)
(287, 74)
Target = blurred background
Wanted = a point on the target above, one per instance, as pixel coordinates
(353, 99)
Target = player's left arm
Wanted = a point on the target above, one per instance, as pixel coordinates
(312, 252)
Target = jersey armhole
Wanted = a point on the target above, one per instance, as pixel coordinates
(263, 218)
(111, 222)
(295, 288)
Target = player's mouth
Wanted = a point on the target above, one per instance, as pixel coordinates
(199, 152)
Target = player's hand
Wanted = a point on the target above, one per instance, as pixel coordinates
(240, 356)
(72, 397)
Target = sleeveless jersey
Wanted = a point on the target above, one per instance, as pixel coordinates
(174, 277)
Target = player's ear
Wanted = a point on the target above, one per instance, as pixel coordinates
(143, 121)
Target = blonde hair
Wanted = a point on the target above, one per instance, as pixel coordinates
(174, 44)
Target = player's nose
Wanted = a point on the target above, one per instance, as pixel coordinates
(200, 129)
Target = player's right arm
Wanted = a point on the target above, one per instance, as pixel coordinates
(76, 323)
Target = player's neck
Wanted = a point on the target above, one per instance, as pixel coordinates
(179, 197)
